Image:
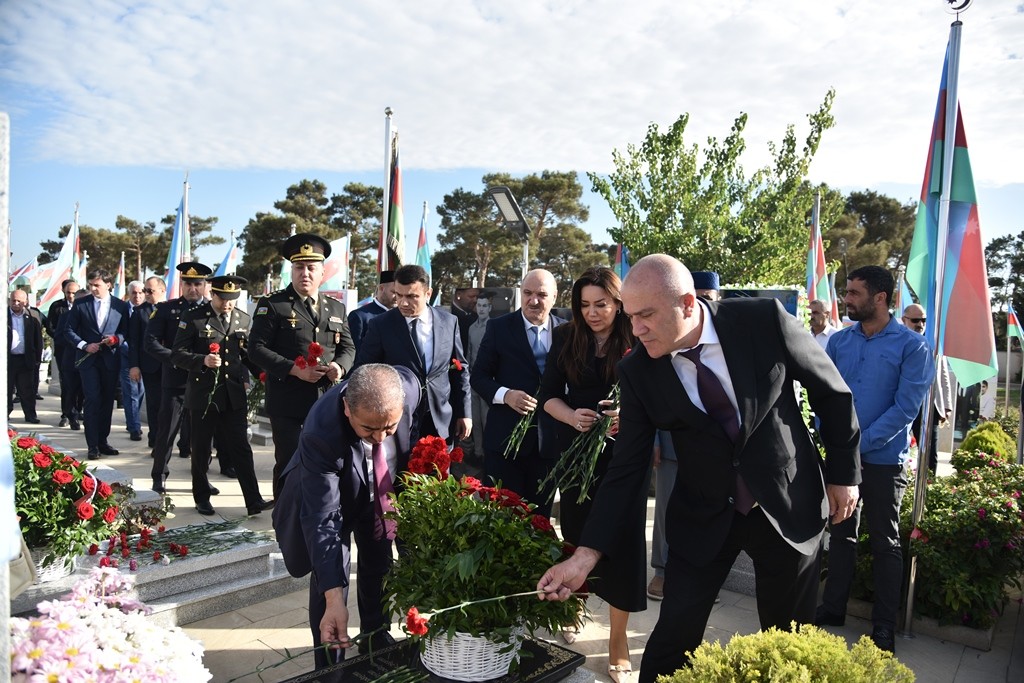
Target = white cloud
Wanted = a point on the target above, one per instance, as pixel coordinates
(482, 84)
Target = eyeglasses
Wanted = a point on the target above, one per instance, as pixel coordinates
(147, 290)
(916, 321)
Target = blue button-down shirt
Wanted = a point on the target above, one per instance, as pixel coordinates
(889, 374)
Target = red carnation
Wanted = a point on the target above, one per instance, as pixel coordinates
(420, 466)
(126, 551)
(156, 555)
(111, 340)
(457, 454)
(315, 351)
(541, 523)
(61, 477)
(161, 528)
(263, 378)
(47, 449)
(416, 624)
(456, 365)
(11, 433)
(85, 510)
(110, 515)
(93, 549)
(27, 442)
(105, 490)
(88, 484)
(183, 550)
(41, 460)
(300, 363)
(173, 547)
(214, 347)
(471, 483)
(105, 562)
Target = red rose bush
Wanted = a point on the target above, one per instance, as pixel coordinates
(472, 555)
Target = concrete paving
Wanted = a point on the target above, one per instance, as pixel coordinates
(246, 639)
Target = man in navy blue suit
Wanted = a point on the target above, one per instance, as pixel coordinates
(506, 373)
(427, 341)
(97, 325)
(329, 493)
(382, 302)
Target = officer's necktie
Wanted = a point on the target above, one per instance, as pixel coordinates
(413, 330)
(383, 486)
(539, 352)
(718, 406)
(311, 309)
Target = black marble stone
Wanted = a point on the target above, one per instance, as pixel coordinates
(540, 662)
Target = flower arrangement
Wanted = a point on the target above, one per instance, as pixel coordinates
(254, 399)
(472, 556)
(100, 633)
(62, 506)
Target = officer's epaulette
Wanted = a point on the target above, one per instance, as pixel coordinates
(332, 298)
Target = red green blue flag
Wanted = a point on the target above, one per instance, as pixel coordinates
(817, 278)
(622, 261)
(965, 335)
(422, 248)
(1012, 324)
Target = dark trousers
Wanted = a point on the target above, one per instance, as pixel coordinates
(881, 492)
(154, 394)
(23, 373)
(786, 582)
(72, 400)
(229, 429)
(99, 383)
(173, 418)
(522, 473)
(285, 431)
(374, 563)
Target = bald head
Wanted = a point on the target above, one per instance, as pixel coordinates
(19, 300)
(914, 318)
(662, 272)
(659, 298)
(539, 292)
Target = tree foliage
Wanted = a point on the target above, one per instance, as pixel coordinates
(878, 231)
(702, 207)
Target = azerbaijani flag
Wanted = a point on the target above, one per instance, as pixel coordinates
(120, 287)
(181, 247)
(65, 267)
(392, 242)
(229, 265)
(25, 270)
(336, 267)
(817, 278)
(966, 335)
(621, 261)
(422, 249)
(834, 313)
(1012, 324)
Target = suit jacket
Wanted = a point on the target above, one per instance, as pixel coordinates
(158, 340)
(361, 317)
(325, 488)
(200, 327)
(281, 331)
(82, 327)
(766, 350)
(33, 337)
(465, 318)
(505, 359)
(942, 389)
(446, 390)
(137, 324)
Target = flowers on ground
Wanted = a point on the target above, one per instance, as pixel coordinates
(100, 633)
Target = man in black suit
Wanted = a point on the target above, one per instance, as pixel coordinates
(427, 341)
(506, 374)
(96, 327)
(329, 493)
(719, 376)
(159, 343)
(284, 325)
(71, 397)
(215, 394)
(464, 308)
(143, 366)
(24, 354)
(382, 302)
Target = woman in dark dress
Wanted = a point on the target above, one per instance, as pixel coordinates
(579, 374)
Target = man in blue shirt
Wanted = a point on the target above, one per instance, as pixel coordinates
(889, 369)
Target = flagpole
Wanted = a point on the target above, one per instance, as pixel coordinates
(934, 330)
(382, 251)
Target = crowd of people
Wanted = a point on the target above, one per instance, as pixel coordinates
(705, 402)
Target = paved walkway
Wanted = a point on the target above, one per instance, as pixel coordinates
(261, 634)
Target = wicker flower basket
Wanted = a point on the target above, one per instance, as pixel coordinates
(57, 568)
(471, 658)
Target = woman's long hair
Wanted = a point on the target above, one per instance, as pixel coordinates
(580, 346)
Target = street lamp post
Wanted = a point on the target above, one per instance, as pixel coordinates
(514, 220)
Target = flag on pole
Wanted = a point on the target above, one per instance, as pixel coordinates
(904, 298)
(181, 247)
(422, 248)
(621, 261)
(120, 286)
(286, 266)
(962, 309)
(834, 313)
(65, 267)
(1012, 324)
(336, 267)
(23, 271)
(817, 278)
(229, 264)
(391, 251)
(83, 269)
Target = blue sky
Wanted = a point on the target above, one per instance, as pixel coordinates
(111, 102)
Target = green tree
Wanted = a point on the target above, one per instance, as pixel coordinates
(102, 246)
(142, 250)
(701, 207)
(878, 231)
(357, 212)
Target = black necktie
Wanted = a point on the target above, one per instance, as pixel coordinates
(311, 308)
(718, 406)
(416, 342)
(225, 321)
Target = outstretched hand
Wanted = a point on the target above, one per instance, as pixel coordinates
(561, 580)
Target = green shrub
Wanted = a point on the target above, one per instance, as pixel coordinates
(1010, 422)
(990, 438)
(809, 655)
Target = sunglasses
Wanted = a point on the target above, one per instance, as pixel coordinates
(147, 290)
(917, 320)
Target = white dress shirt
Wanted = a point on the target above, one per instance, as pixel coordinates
(543, 334)
(390, 455)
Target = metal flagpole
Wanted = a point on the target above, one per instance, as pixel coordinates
(382, 253)
(924, 448)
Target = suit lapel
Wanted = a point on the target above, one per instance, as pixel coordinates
(438, 331)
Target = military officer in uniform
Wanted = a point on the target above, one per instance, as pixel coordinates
(211, 346)
(159, 342)
(284, 324)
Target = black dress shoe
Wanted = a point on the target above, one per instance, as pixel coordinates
(94, 454)
(204, 509)
(32, 420)
(884, 638)
(182, 455)
(214, 491)
(136, 436)
(159, 489)
(63, 422)
(260, 507)
(75, 425)
(229, 472)
(39, 397)
(822, 617)
(107, 449)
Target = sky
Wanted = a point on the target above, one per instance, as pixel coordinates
(111, 102)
